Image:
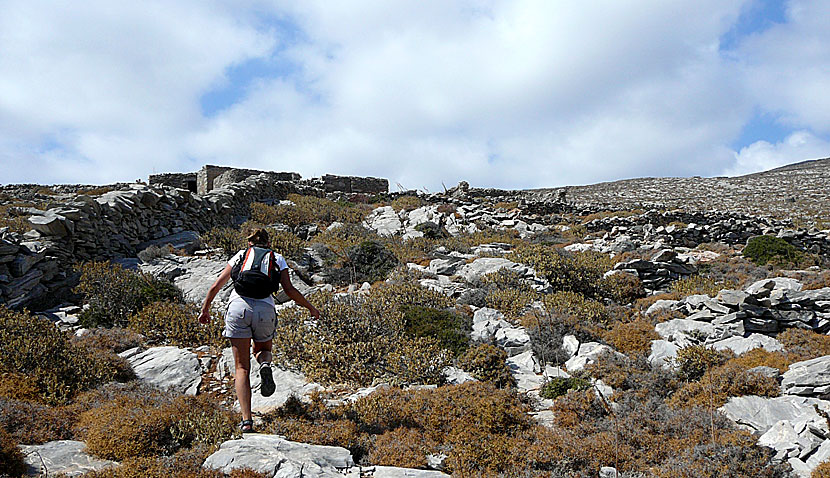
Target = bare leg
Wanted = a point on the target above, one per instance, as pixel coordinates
(262, 352)
(242, 381)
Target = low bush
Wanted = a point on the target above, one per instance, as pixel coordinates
(631, 337)
(230, 240)
(287, 244)
(635, 376)
(113, 294)
(309, 210)
(508, 292)
(32, 346)
(403, 447)
(450, 329)
(11, 458)
(406, 203)
(31, 423)
(821, 471)
(722, 460)
(360, 338)
(761, 358)
(557, 386)
(167, 323)
(187, 463)
(800, 344)
(579, 272)
(717, 385)
(487, 363)
(695, 360)
(622, 288)
(417, 360)
(125, 428)
(764, 250)
(115, 339)
(697, 284)
(368, 261)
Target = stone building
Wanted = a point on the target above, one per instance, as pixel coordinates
(175, 180)
(354, 184)
(211, 177)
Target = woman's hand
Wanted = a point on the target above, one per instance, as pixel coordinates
(314, 312)
(204, 317)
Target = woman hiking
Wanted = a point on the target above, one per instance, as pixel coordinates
(251, 313)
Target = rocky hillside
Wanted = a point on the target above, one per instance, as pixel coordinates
(471, 333)
(796, 191)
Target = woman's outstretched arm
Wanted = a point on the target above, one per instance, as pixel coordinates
(220, 282)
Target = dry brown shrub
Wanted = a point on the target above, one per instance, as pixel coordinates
(11, 458)
(575, 408)
(821, 471)
(115, 339)
(32, 423)
(487, 363)
(800, 344)
(170, 323)
(819, 281)
(719, 384)
(404, 447)
(124, 428)
(17, 386)
(632, 338)
(761, 358)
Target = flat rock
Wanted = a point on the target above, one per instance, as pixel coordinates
(168, 368)
(662, 353)
(286, 459)
(486, 265)
(65, 456)
(385, 221)
(588, 353)
(759, 414)
(393, 472)
(672, 330)
(740, 345)
(808, 378)
(661, 304)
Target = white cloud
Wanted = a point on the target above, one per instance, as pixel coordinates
(501, 93)
(761, 155)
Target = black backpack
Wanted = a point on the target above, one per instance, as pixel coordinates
(252, 282)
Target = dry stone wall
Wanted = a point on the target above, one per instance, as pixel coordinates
(115, 224)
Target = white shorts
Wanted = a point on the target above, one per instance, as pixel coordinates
(250, 318)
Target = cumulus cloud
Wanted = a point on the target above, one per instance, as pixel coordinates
(524, 93)
(762, 155)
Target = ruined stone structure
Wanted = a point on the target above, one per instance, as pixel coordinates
(353, 184)
(185, 181)
(212, 177)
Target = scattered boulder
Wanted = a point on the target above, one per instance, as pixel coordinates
(167, 367)
(286, 459)
(65, 457)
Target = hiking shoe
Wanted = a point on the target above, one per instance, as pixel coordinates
(247, 426)
(268, 386)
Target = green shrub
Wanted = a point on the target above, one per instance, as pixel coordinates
(695, 360)
(359, 338)
(452, 330)
(487, 363)
(763, 250)
(287, 244)
(34, 347)
(368, 261)
(11, 458)
(229, 240)
(113, 294)
(168, 323)
(417, 360)
(580, 272)
(557, 386)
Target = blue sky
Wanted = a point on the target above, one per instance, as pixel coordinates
(519, 93)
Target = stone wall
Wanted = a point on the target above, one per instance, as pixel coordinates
(81, 228)
(206, 176)
(354, 184)
(186, 181)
